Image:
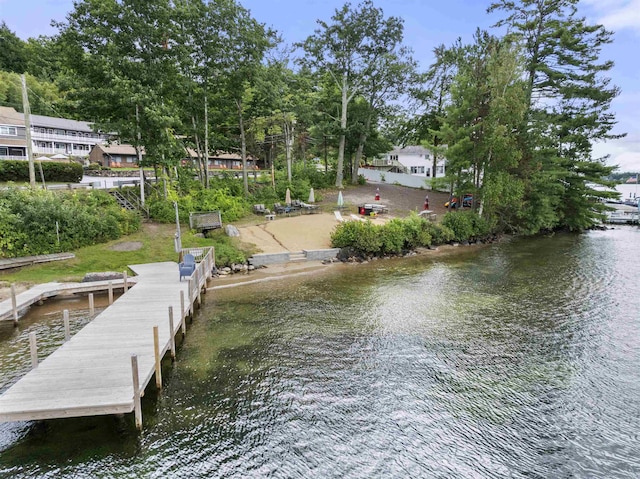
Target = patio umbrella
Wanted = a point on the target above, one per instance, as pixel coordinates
(42, 158)
(340, 200)
(312, 197)
(287, 197)
(59, 156)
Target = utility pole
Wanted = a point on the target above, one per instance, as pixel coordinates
(326, 169)
(27, 126)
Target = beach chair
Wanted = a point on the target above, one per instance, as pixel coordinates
(339, 216)
(357, 218)
(188, 266)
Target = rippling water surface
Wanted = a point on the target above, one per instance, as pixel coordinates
(516, 360)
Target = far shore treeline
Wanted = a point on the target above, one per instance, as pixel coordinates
(515, 115)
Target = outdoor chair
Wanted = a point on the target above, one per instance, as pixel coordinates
(188, 266)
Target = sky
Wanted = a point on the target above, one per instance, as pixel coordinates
(428, 23)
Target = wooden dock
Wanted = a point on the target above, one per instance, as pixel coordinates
(106, 366)
(11, 309)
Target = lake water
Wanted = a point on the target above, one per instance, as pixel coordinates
(519, 360)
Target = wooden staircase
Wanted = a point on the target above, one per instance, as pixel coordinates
(129, 199)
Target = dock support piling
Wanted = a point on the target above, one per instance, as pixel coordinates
(92, 309)
(33, 345)
(14, 304)
(137, 406)
(67, 329)
(172, 333)
(191, 298)
(110, 293)
(124, 284)
(156, 352)
(182, 315)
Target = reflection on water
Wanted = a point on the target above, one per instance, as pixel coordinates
(517, 360)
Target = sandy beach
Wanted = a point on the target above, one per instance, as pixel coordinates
(313, 231)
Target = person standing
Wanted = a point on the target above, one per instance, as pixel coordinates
(426, 202)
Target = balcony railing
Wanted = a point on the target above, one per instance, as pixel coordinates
(35, 135)
(12, 157)
(39, 150)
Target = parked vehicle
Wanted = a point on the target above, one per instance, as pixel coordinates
(467, 201)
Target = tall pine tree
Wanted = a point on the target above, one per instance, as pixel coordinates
(569, 99)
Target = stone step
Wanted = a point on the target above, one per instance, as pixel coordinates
(297, 257)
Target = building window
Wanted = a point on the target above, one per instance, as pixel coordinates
(417, 170)
(8, 130)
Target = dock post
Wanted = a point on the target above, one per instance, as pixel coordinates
(172, 337)
(124, 284)
(137, 407)
(110, 293)
(182, 315)
(67, 329)
(92, 308)
(156, 353)
(191, 298)
(198, 276)
(34, 350)
(14, 304)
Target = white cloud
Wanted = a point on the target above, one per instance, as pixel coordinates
(617, 14)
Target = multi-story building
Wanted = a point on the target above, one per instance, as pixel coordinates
(51, 136)
(13, 142)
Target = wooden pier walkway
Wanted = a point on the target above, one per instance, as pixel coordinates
(106, 366)
(11, 311)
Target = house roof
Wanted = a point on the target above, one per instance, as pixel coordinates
(118, 149)
(61, 123)
(414, 150)
(9, 116)
(220, 155)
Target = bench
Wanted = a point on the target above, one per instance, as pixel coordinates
(205, 221)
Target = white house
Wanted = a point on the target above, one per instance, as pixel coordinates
(412, 160)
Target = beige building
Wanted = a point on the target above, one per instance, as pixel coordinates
(13, 138)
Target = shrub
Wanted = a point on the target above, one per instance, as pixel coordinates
(392, 237)
(439, 233)
(461, 223)
(16, 170)
(363, 236)
(226, 252)
(42, 222)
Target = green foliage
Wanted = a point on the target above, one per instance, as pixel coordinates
(400, 235)
(226, 251)
(53, 171)
(466, 225)
(392, 236)
(363, 236)
(231, 207)
(439, 233)
(41, 222)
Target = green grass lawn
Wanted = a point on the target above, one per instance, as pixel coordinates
(157, 245)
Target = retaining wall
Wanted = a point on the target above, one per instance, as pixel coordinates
(321, 254)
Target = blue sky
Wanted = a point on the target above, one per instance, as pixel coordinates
(427, 24)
